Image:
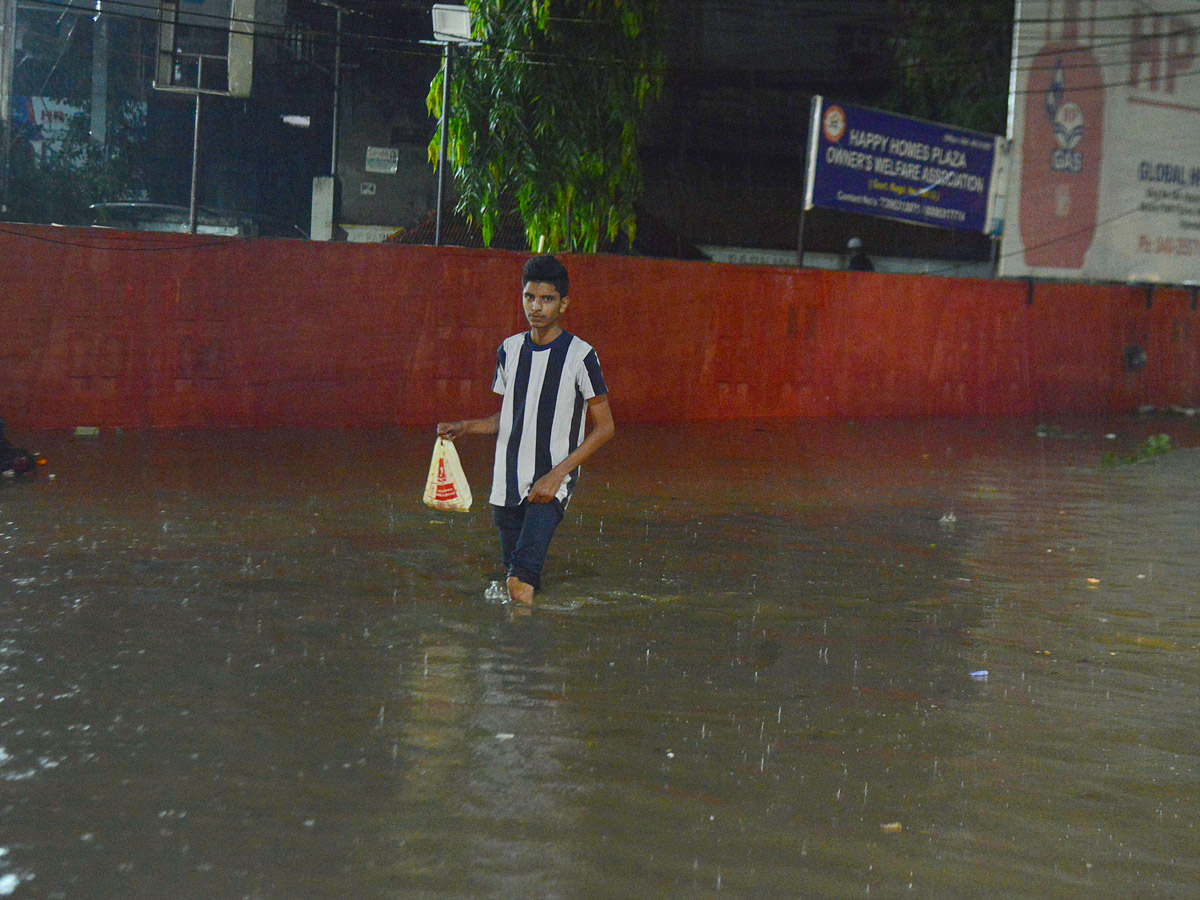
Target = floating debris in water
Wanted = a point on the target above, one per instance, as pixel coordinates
(980, 675)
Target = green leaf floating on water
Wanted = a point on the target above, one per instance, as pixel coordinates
(1155, 445)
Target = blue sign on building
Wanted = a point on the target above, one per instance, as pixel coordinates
(867, 161)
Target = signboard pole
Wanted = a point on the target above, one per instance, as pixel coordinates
(814, 122)
(800, 240)
(172, 70)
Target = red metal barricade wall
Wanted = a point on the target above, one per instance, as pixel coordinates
(151, 330)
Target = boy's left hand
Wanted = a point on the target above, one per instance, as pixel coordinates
(545, 488)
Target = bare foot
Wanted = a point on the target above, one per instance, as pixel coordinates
(519, 591)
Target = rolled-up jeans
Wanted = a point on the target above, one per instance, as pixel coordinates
(525, 533)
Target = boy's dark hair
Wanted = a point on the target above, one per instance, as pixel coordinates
(549, 270)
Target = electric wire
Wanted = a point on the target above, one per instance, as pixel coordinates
(380, 42)
(551, 58)
(201, 244)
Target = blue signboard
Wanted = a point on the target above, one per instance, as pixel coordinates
(863, 160)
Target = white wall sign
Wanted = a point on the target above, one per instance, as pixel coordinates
(385, 160)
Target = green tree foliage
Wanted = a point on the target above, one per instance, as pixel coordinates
(77, 172)
(544, 117)
(954, 61)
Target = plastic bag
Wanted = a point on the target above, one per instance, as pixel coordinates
(446, 488)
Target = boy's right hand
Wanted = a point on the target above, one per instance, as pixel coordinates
(451, 430)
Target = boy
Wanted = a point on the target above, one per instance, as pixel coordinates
(546, 376)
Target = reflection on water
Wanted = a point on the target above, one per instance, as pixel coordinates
(253, 665)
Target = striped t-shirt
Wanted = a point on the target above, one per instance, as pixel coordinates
(546, 389)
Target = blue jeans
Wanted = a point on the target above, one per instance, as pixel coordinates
(525, 533)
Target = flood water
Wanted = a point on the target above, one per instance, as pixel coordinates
(777, 660)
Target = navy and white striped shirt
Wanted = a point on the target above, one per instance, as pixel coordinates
(546, 389)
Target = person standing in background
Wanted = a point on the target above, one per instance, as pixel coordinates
(858, 260)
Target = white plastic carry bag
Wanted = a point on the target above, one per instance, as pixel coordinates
(447, 488)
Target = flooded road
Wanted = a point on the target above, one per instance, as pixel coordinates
(897, 659)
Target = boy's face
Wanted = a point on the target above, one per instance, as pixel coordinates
(543, 304)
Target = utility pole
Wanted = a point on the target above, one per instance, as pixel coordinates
(8, 50)
(337, 92)
(324, 209)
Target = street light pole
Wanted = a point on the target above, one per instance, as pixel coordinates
(437, 231)
(451, 25)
